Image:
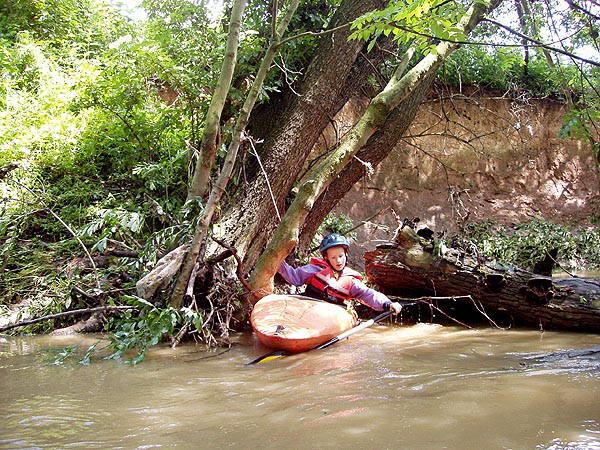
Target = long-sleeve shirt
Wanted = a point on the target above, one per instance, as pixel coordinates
(359, 290)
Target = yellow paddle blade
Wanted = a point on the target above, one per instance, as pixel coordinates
(269, 357)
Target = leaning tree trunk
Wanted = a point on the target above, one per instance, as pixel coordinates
(249, 220)
(210, 136)
(378, 147)
(186, 277)
(398, 89)
(409, 265)
(257, 206)
(384, 140)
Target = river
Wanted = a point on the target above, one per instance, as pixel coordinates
(422, 386)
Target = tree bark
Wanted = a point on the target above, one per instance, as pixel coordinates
(214, 200)
(396, 91)
(252, 216)
(209, 143)
(409, 265)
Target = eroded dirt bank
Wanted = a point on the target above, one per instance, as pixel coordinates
(478, 157)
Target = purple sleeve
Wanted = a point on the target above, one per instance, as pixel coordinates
(370, 297)
(298, 276)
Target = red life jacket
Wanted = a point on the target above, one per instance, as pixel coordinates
(328, 285)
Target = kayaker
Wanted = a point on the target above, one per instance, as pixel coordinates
(328, 278)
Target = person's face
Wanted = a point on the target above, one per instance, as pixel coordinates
(336, 256)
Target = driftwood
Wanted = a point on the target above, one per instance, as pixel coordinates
(409, 265)
(92, 324)
(163, 273)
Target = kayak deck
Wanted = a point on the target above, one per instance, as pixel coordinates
(296, 323)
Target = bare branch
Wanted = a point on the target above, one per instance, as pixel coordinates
(240, 266)
(491, 44)
(74, 312)
(314, 34)
(67, 227)
(581, 9)
(537, 43)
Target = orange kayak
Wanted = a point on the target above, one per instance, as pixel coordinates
(296, 324)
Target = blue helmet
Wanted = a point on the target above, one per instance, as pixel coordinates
(333, 240)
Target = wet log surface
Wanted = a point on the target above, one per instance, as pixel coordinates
(408, 265)
(570, 361)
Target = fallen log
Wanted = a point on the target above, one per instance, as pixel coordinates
(164, 272)
(408, 264)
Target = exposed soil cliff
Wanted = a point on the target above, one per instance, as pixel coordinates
(478, 156)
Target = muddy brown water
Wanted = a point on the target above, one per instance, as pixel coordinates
(391, 387)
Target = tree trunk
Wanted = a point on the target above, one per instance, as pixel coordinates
(214, 200)
(250, 220)
(377, 148)
(409, 265)
(398, 89)
(210, 137)
(252, 217)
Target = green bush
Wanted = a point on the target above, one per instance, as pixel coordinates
(527, 243)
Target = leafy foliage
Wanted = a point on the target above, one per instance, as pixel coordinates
(581, 122)
(340, 223)
(67, 25)
(530, 242)
(137, 334)
(418, 23)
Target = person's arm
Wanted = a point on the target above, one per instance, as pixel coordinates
(298, 276)
(372, 298)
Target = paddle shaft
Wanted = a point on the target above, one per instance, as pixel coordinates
(360, 327)
(356, 329)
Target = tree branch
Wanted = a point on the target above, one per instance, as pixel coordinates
(240, 266)
(537, 43)
(66, 314)
(69, 229)
(583, 10)
(490, 44)
(314, 34)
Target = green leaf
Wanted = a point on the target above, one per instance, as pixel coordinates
(371, 45)
(138, 301)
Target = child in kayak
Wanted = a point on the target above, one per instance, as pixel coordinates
(328, 278)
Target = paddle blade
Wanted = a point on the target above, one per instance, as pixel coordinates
(269, 357)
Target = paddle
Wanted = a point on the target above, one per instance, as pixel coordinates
(281, 353)
(356, 329)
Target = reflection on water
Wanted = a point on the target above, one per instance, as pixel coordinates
(423, 386)
(560, 273)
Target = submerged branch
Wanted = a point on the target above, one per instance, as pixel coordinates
(429, 302)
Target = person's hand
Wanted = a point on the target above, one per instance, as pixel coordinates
(397, 307)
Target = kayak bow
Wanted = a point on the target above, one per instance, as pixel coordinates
(281, 353)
